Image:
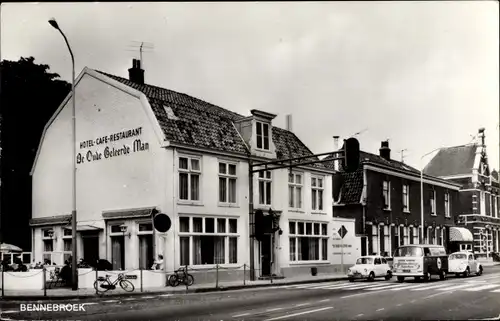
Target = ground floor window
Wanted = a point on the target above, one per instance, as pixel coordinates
(118, 252)
(308, 241)
(415, 235)
(67, 244)
(465, 247)
(48, 245)
(146, 254)
(375, 238)
(439, 233)
(208, 240)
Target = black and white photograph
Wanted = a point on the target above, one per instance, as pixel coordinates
(253, 160)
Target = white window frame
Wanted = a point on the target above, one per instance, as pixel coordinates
(321, 235)
(47, 238)
(386, 194)
(226, 235)
(433, 203)
(265, 177)
(190, 172)
(406, 198)
(387, 238)
(491, 204)
(375, 239)
(142, 233)
(112, 234)
(415, 235)
(482, 204)
(262, 138)
(317, 206)
(66, 238)
(495, 207)
(293, 187)
(406, 235)
(228, 177)
(447, 204)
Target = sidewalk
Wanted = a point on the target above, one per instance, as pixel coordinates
(65, 294)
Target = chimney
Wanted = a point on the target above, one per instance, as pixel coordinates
(136, 74)
(289, 122)
(385, 151)
(481, 137)
(336, 148)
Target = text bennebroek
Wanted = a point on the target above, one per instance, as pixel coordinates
(370, 267)
(52, 307)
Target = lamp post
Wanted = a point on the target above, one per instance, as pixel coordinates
(422, 192)
(74, 272)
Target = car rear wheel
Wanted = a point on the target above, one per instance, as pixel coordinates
(480, 271)
(371, 276)
(388, 276)
(457, 275)
(442, 275)
(351, 280)
(467, 272)
(427, 276)
(401, 278)
(417, 278)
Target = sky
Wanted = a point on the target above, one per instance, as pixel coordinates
(424, 75)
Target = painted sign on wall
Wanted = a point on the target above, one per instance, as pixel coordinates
(111, 151)
(348, 247)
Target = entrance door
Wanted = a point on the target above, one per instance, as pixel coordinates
(91, 249)
(265, 251)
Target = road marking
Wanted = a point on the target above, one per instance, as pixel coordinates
(429, 287)
(109, 301)
(147, 297)
(413, 301)
(240, 315)
(362, 293)
(453, 287)
(128, 299)
(496, 291)
(433, 295)
(275, 309)
(165, 295)
(399, 305)
(10, 311)
(410, 287)
(336, 286)
(484, 287)
(90, 303)
(325, 300)
(366, 287)
(302, 304)
(380, 309)
(387, 287)
(299, 313)
(359, 315)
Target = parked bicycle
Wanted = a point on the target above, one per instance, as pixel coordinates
(103, 284)
(181, 277)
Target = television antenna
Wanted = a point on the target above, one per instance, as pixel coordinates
(141, 46)
(359, 133)
(402, 152)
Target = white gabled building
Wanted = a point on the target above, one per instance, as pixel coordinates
(142, 149)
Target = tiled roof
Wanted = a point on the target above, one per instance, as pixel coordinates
(197, 123)
(452, 161)
(50, 220)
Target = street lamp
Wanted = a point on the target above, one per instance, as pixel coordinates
(74, 272)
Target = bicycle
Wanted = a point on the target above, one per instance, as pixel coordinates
(106, 284)
(181, 276)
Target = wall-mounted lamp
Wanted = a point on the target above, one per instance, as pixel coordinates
(50, 233)
(123, 228)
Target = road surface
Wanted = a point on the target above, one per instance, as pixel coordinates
(475, 297)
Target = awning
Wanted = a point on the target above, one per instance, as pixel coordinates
(128, 213)
(460, 234)
(50, 220)
(7, 248)
(81, 228)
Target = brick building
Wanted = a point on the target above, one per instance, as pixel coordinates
(478, 206)
(383, 195)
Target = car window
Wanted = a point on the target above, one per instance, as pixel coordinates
(437, 251)
(458, 256)
(377, 260)
(471, 258)
(364, 260)
(384, 261)
(411, 251)
(427, 252)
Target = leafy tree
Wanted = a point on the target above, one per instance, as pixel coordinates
(30, 95)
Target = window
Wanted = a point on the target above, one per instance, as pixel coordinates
(227, 183)
(415, 235)
(439, 234)
(405, 235)
(311, 245)
(117, 247)
(67, 244)
(406, 198)
(432, 198)
(491, 205)
(265, 180)
(48, 244)
(377, 261)
(208, 240)
(189, 178)
(262, 135)
(386, 191)
(446, 205)
(375, 238)
(317, 189)
(387, 240)
(146, 254)
(495, 206)
(295, 190)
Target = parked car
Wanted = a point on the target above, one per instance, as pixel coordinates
(369, 267)
(464, 263)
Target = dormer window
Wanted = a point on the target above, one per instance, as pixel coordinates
(262, 136)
